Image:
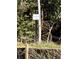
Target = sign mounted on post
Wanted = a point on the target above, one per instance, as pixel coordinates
(36, 16)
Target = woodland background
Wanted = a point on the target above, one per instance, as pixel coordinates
(27, 28)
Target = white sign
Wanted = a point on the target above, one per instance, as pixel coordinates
(36, 16)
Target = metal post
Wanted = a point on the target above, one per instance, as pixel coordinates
(39, 21)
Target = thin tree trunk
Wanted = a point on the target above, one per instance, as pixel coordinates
(49, 33)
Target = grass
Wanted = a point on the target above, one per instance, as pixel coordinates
(44, 45)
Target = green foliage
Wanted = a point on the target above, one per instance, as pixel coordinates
(51, 9)
(25, 28)
(25, 24)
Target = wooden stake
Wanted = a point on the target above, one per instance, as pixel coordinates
(27, 50)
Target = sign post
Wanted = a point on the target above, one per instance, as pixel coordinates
(38, 17)
(39, 21)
